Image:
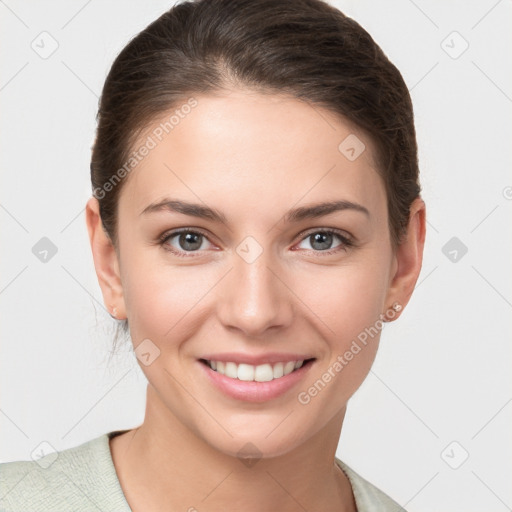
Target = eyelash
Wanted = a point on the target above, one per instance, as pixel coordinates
(346, 242)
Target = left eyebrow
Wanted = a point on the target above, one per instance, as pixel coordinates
(296, 215)
(321, 209)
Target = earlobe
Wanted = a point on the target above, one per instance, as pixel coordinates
(105, 261)
(408, 260)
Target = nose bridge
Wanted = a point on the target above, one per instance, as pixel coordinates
(253, 298)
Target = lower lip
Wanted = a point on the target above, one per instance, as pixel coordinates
(256, 391)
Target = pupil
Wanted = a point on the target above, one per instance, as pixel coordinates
(189, 241)
(322, 238)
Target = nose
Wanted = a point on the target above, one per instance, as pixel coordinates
(254, 297)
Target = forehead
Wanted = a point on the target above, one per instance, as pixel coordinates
(254, 150)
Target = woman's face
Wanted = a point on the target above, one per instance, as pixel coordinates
(258, 282)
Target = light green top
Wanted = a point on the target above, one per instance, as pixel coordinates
(83, 478)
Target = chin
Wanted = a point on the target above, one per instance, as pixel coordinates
(251, 448)
(265, 442)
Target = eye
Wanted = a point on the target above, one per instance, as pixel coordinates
(321, 241)
(186, 241)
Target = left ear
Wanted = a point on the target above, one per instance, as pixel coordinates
(408, 259)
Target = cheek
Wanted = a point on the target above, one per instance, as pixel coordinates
(349, 304)
(345, 299)
(160, 298)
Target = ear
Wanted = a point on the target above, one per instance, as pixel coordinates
(408, 259)
(105, 261)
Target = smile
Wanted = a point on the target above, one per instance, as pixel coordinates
(251, 373)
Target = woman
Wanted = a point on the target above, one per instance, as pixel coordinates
(256, 218)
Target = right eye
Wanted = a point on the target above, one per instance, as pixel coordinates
(187, 241)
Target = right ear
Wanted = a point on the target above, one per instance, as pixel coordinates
(105, 261)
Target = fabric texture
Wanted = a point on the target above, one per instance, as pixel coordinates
(83, 478)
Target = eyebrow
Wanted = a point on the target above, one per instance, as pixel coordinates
(295, 215)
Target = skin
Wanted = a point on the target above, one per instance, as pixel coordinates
(252, 157)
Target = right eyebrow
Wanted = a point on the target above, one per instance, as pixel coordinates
(186, 208)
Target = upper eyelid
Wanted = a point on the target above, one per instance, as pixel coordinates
(336, 231)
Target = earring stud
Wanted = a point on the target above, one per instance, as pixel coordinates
(396, 306)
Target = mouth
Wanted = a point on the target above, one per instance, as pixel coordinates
(265, 372)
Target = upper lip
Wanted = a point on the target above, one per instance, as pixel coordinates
(256, 359)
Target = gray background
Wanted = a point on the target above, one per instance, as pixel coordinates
(440, 389)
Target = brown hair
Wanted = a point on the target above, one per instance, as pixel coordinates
(303, 48)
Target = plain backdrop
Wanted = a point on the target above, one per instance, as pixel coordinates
(431, 424)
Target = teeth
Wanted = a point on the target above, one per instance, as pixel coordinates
(261, 373)
(289, 367)
(245, 372)
(231, 370)
(278, 370)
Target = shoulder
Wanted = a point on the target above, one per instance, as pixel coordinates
(368, 497)
(79, 478)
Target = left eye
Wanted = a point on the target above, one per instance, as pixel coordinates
(322, 240)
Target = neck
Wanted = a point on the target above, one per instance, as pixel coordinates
(163, 462)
